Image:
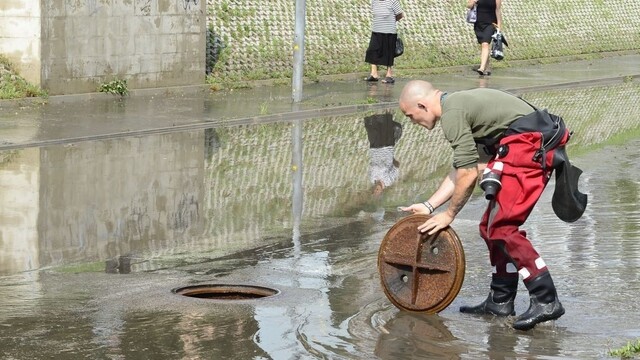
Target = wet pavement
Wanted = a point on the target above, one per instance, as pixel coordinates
(108, 205)
(330, 304)
(97, 116)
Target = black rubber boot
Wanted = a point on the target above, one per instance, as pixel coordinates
(500, 299)
(544, 305)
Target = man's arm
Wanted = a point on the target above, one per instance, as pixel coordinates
(465, 181)
(441, 196)
(445, 191)
(447, 187)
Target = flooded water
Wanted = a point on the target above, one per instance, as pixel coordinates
(95, 236)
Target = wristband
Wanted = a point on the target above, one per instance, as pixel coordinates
(429, 206)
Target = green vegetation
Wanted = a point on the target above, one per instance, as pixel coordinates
(440, 40)
(81, 268)
(116, 87)
(628, 351)
(617, 139)
(264, 108)
(12, 85)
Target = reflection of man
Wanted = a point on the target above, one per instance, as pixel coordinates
(408, 334)
(527, 145)
(383, 133)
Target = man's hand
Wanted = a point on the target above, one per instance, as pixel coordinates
(436, 223)
(416, 209)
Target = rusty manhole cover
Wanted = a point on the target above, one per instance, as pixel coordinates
(225, 292)
(420, 272)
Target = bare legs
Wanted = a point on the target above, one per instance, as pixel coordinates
(374, 71)
(484, 57)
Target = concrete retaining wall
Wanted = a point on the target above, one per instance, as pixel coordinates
(20, 36)
(74, 46)
(259, 35)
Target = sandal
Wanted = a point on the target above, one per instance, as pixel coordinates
(483, 73)
(388, 80)
(371, 79)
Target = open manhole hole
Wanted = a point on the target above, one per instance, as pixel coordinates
(225, 292)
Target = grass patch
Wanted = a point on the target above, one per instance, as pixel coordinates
(13, 86)
(82, 268)
(628, 351)
(615, 140)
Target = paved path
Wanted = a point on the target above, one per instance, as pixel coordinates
(73, 118)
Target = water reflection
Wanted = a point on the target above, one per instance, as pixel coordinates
(19, 202)
(383, 134)
(416, 336)
(216, 206)
(71, 203)
(380, 92)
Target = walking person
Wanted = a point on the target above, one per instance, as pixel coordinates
(526, 145)
(382, 44)
(489, 19)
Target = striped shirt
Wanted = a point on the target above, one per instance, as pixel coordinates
(381, 166)
(384, 15)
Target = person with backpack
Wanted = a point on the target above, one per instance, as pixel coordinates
(513, 147)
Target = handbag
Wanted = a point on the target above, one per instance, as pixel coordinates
(497, 51)
(472, 14)
(399, 47)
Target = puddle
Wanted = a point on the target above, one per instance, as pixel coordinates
(96, 234)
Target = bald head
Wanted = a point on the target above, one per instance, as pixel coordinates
(416, 90)
(420, 102)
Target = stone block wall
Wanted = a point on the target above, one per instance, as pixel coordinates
(259, 35)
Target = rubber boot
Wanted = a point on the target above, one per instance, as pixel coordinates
(544, 304)
(500, 299)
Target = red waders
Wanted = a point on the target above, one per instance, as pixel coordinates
(523, 180)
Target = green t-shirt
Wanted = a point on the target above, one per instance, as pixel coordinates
(481, 113)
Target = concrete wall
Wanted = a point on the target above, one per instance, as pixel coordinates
(74, 46)
(150, 43)
(20, 36)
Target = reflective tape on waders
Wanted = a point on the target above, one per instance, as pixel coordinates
(420, 272)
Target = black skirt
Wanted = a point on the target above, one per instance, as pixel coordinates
(382, 49)
(484, 32)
